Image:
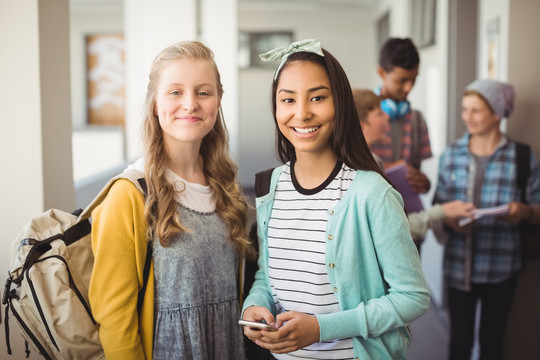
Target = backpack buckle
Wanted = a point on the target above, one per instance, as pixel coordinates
(6, 290)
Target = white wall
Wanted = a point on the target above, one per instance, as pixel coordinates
(88, 20)
(95, 150)
(430, 96)
(400, 16)
(222, 37)
(523, 52)
(35, 131)
(489, 10)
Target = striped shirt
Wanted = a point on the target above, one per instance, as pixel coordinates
(296, 247)
(383, 148)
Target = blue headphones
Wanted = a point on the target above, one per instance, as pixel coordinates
(394, 109)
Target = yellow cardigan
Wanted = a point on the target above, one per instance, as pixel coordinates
(119, 246)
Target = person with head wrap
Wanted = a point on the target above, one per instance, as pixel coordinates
(482, 259)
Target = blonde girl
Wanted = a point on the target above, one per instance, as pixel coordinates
(195, 216)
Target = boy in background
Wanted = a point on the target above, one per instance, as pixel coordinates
(408, 137)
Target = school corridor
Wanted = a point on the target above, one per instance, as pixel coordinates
(429, 336)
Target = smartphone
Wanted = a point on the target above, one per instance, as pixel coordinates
(257, 325)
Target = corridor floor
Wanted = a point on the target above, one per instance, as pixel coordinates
(429, 337)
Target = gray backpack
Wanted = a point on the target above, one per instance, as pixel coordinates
(47, 289)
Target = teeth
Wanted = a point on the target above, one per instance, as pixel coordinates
(306, 130)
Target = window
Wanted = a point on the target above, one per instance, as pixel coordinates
(251, 44)
(423, 22)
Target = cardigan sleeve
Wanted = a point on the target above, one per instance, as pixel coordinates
(260, 294)
(118, 229)
(408, 294)
(422, 221)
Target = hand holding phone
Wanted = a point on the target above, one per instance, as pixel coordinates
(257, 325)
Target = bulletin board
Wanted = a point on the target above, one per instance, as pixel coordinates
(105, 79)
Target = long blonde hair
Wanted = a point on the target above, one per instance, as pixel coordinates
(219, 169)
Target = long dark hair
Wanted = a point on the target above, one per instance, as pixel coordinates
(347, 142)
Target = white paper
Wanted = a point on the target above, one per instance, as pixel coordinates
(480, 213)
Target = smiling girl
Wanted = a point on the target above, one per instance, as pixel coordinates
(195, 216)
(339, 275)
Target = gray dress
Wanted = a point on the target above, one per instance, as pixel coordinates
(196, 301)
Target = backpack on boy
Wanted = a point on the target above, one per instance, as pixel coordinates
(529, 233)
(46, 292)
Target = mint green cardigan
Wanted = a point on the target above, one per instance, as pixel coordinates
(376, 274)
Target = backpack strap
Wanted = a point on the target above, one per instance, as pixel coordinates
(416, 137)
(262, 187)
(523, 159)
(131, 174)
(262, 182)
(82, 227)
(137, 178)
(146, 275)
(396, 131)
(148, 261)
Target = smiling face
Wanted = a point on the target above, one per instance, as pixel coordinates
(305, 108)
(477, 116)
(187, 101)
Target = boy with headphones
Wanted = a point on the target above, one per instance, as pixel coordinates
(408, 138)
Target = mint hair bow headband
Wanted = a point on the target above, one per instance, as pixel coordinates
(308, 45)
